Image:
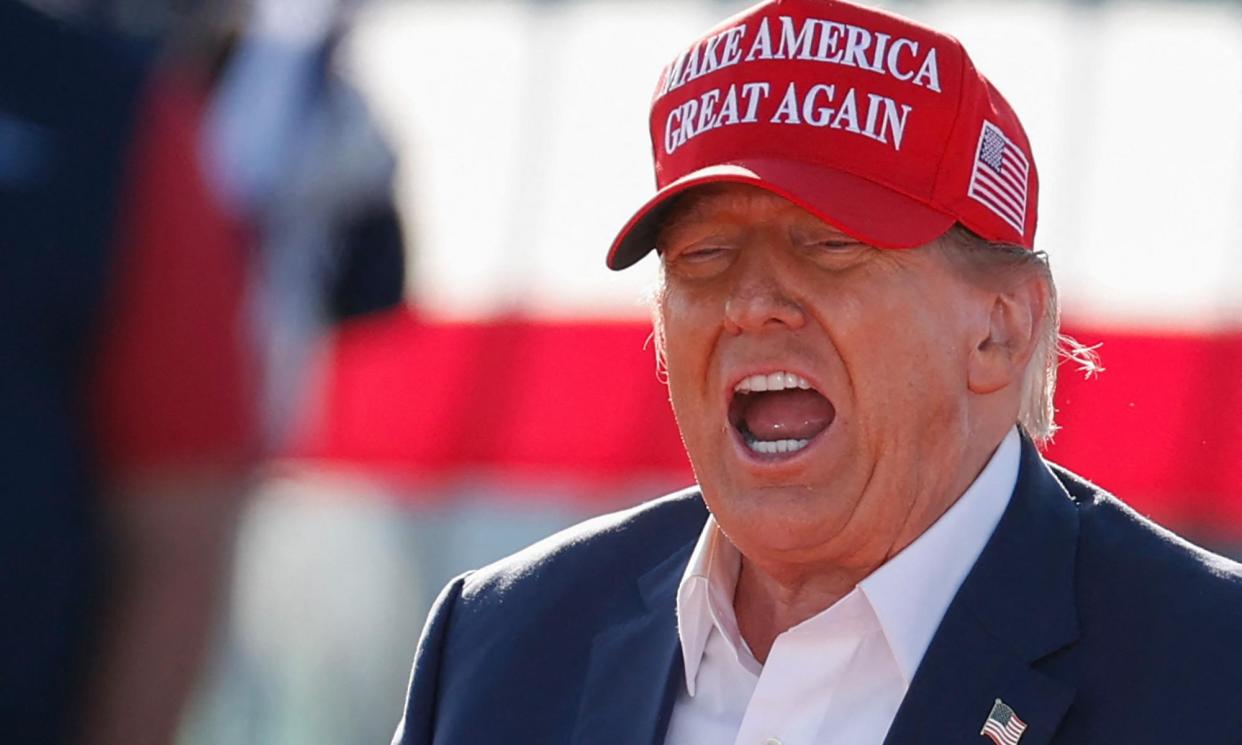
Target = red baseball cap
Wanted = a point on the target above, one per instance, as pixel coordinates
(872, 122)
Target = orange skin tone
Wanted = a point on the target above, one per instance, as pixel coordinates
(923, 367)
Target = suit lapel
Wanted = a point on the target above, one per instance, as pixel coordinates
(635, 665)
(1015, 607)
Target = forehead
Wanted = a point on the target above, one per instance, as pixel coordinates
(738, 204)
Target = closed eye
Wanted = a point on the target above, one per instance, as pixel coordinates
(837, 245)
(700, 261)
(843, 242)
(836, 252)
(703, 253)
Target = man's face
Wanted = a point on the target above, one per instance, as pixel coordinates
(863, 354)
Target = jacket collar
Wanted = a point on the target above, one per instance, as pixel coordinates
(1015, 607)
(635, 667)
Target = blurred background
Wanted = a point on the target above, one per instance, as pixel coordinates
(305, 312)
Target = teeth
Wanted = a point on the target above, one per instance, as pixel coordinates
(772, 447)
(777, 381)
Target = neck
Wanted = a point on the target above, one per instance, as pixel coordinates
(773, 597)
(766, 606)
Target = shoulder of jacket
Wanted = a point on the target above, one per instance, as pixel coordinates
(633, 538)
(1133, 565)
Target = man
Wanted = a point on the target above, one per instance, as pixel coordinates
(860, 346)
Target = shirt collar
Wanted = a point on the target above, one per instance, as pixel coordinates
(911, 591)
(909, 594)
(705, 598)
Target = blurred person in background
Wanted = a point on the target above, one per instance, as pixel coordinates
(127, 390)
(161, 317)
(175, 404)
(291, 148)
(861, 347)
(67, 100)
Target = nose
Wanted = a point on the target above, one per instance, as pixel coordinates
(760, 298)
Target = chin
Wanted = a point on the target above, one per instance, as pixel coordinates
(785, 504)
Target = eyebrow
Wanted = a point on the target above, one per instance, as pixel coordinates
(690, 206)
(683, 210)
(686, 207)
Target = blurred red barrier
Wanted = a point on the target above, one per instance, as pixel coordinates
(1162, 426)
(530, 399)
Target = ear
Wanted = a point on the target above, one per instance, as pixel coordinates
(1014, 323)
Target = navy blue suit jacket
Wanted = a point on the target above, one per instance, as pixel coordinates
(1095, 625)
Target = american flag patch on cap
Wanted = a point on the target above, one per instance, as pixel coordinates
(1000, 177)
(1003, 725)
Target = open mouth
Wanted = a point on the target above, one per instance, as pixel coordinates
(779, 413)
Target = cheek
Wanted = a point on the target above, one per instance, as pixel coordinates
(904, 358)
(687, 353)
(688, 331)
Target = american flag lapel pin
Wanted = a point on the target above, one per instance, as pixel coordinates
(1003, 726)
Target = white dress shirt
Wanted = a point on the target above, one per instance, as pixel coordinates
(838, 677)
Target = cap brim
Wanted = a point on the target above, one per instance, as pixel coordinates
(872, 213)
